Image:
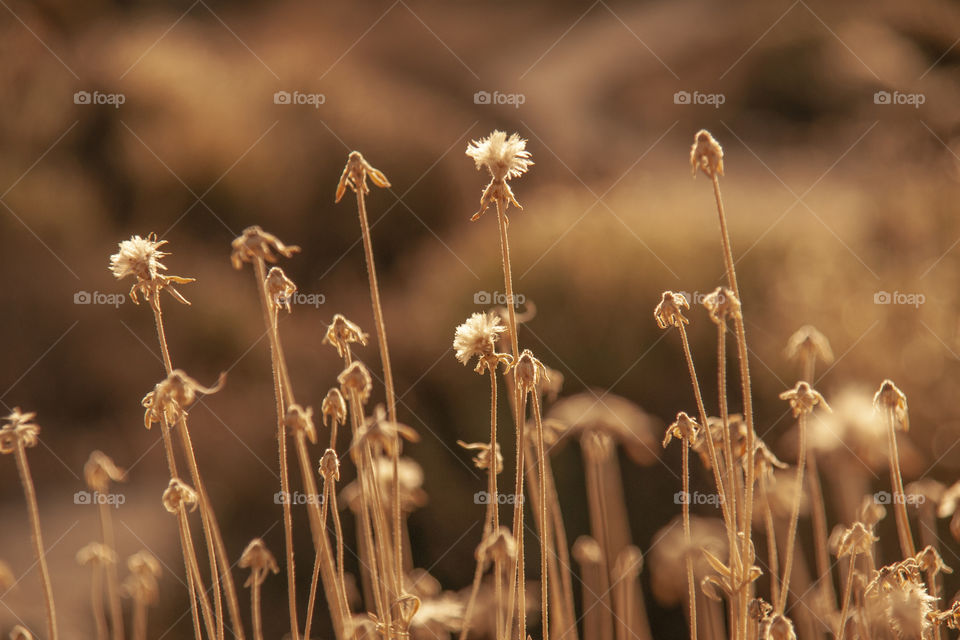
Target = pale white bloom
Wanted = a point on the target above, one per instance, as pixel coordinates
(477, 337)
(504, 157)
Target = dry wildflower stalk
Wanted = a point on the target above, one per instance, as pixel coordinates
(802, 398)
(855, 540)
(261, 562)
(687, 431)
(17, 435)
(141, 585)
(258, 247)
(893, 403)
(98, 557)
(99, 472)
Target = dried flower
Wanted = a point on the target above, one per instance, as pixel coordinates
(179, 495)
(721, 304)
(930, 561)
(355, 174)
(96, 553)
(255, 243)
(803, 398)
(669, 313)
(504, 158)
(341, 333)
(141, 584)
(683, 428)
(140, 257)
(807, 341)
(529, 370)
(856, 540)
(356, 379)
(259, 560)
(478, 337)
(909, 609)
(170, 397)
(482, 459)
(19, 428)
(409, 475)
(100, 470)
(706, 154)
(597, 410)
(300, 420)
(498, 545)
(384, 434)
(280, 289)
(330, 466)
(776, 627)
(334, 408)
(890, 397)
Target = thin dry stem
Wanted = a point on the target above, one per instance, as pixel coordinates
(113, 581)
(896, 479)
(794, 517)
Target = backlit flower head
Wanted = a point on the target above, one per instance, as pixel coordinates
(482, 459)
(706, 154)
(300, 420)
(669, 313)
(356, 379)
(21, 428)
(721, 304)
(529, 371)
(342, 333)
(477, 337)
(171, 396)
(334, 408)
(355, 174)
(140, 258)
(504, 158)
(683, 428)
(259, 560)
(807, 341)
(179, 495)
(383, 434)
(96, 553)
(255, 243)
(803, 398)
(890, 398)
(280, 289)
(100, 470)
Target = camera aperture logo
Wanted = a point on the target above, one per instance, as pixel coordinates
(482, 497)
(695, 497)
(98, 97)
(295, 498)
(898, 297)
(495, 297)
(898, 97)
(299, 97)
(512, 99)
(310, 299)
(698, 98)
(95, 297)
(885, 497)
(112, 499)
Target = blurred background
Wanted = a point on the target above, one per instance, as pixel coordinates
(195, 119)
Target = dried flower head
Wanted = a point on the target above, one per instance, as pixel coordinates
(803, 398)
(706, 154)
(100, 470)
(505, 158)
(808, 342)
(890, 398)
(179, 495)
(255, 243)
(280, 289)
(299, 420)
(529, 370)
(355, 174)
(669, 313)
(259, 560)
(356, 379)
(477, 337)
(334, 408)
(497, 545)
(909, 610)
(170, 397)
(482, 459)
(775, 626)
(96, 553)
(383, 434)
(858, 539)
(930, 561)
(683, 428)
(330, 466)
(140, 257)
(598, 410)
(721, 304)
(341, 333)
(19, 428)
(410, 478)
(141, 584)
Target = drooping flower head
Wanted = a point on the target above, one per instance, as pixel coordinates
(140, 258)
(355, 174)
(706, 154)
(808, 341)
(890, 398)
(803, 398)
(19, 428)
(256, 243)
(342, 333)
(100, 470)
(259, 560)
(477, 337)
(669, 313)
(504, 158)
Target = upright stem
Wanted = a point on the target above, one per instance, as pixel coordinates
(96, 601)
(139, 619)
(193, 568)
(255, 608)
(30, 493)
(691, 583)
(388, 383)
(846, 597)
(899, 503)
(113, 587)
(794, 516)
(544, 524)
(772, 559)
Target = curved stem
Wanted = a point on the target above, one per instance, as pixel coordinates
(846, 598)
(896, 480)
(544, 524)
(113, 582)
(794, 517)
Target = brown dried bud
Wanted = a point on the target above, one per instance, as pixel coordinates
(334, 408)
(669, 313)
(356, 379)
(706, 154)
(299, 420)
(99, 471)
(179, 495)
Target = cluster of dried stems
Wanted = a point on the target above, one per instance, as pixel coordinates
(398, 602)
